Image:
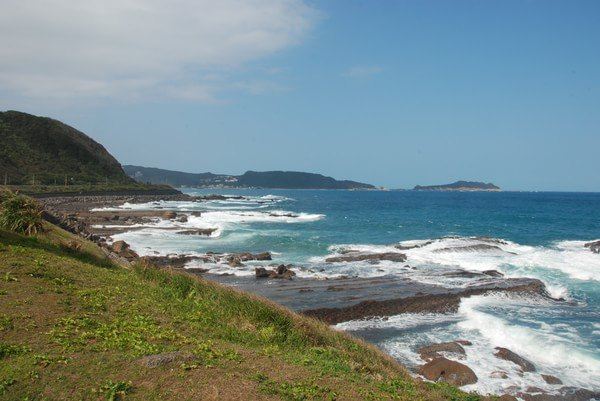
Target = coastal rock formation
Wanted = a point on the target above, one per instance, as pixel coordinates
(564, 394)
(470, 248)
(433, 351)
(442, 369)
(442, 302)
(594, 246)
(506, 354)
(122, 249)
(282, 271)
(353, 256)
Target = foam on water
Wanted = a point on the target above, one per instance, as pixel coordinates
(554, 349)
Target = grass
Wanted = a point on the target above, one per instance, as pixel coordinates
(74, 326)
(20, 213)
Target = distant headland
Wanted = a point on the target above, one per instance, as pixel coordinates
(460, 186)
(250, 179)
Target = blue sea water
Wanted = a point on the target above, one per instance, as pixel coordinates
(542, 234)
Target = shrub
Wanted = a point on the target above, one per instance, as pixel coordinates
(20, 214)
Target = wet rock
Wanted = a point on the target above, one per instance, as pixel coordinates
(508, 355)
(247, 256)
(564, 394)
(281, 272)
(433, 351)
(182, 219)
(594, 246)
(452, 372)
(551, 379)
(498, 374)
(493, 273)
(175, 261)
(407, 247)
(196, 214)
(470, 248)
(445, 302)
(153, 361)
(169, 215)
(357, 257)
(198, 231)
(234, 261)
(464, 342)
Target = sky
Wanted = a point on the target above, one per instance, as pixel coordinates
(393, 93)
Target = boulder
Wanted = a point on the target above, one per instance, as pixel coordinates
(493, 273)
(594, 246)
(432, 351)
(261, 272)
(282, 271)
(508, 355)
(551, 379)
(452, 372)
(182, 219)
(263, 256)
(234, 262)
(120, 246)
(169, 215)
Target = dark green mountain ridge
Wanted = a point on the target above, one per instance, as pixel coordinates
(41, 150)
(262, 179)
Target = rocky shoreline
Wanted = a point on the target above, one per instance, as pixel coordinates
(332, 301)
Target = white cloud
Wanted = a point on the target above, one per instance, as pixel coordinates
(136, 48)
(362, 71)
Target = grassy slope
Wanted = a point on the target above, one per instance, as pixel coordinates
(73, 326)
(97, 188)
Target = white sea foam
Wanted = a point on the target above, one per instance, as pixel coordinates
(551, 348)
(555, 349)
(568, 258)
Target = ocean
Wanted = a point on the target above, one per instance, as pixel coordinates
(538, 235)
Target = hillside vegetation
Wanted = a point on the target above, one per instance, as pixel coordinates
(73, 326)
(45, 151)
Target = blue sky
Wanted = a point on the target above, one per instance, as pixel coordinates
(394, 93)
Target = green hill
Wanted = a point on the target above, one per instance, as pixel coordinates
(296, 180)
(262, 179)
(45, 151)
(73, 326)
